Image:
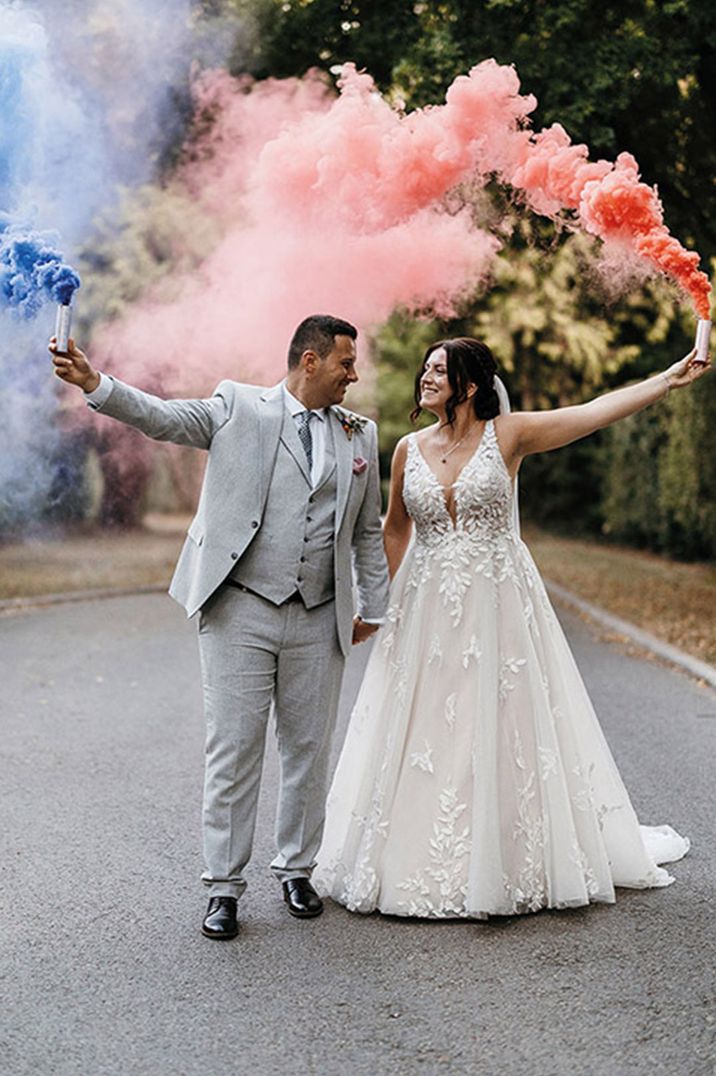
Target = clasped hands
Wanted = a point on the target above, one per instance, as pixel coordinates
(362, 631)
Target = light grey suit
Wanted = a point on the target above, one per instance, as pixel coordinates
(260, 522)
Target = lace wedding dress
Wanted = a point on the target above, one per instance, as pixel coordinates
(475, 779)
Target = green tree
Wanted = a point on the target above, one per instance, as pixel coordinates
(296, 35)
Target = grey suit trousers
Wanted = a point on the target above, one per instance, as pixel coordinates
(253, 654)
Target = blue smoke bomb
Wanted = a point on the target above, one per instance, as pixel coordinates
(62, 327)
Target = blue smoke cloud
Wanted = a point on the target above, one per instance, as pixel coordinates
(87, 101)
(89, 93)
(22, 40)
(32, 270)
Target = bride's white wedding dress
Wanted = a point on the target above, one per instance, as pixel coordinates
(475, 779)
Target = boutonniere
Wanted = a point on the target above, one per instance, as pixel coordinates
(350, 423)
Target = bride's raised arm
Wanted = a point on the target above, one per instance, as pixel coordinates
(398, 525)
(540, 431)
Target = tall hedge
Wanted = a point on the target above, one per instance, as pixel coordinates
(660, 476)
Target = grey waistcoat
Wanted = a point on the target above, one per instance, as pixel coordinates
(293, 549)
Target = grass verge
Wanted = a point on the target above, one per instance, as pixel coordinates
(88, 559)
(673, 601)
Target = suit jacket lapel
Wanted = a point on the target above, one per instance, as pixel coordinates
(344, 466)
(271, 414)
(290, 438)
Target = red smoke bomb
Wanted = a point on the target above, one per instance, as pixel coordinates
(703, 332)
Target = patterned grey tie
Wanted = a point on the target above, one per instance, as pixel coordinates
(304, 433)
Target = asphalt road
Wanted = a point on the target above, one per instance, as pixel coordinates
(104, 970)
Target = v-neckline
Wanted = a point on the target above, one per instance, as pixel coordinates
(466, 464)
(443, 489)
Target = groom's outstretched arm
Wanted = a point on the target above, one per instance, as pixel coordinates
(184, 422)
(369, 561)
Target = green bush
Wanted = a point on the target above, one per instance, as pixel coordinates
(687, 474)
(628, 461)
(562, 491)
(660, 476)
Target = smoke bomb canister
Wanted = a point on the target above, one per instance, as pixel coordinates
(62, 327)
(703, 332)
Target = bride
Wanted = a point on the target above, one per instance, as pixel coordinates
(475, 779)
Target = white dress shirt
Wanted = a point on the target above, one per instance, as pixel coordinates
(317, 427)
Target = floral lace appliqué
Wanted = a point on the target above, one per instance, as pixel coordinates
(439, 889)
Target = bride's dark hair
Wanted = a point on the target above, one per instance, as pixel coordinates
(469, 362)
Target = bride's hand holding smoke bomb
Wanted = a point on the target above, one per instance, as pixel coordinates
(73, 367)
(686, 370)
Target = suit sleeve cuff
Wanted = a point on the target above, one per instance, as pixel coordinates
(101, 394)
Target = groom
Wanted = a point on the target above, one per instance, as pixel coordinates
(290, 497)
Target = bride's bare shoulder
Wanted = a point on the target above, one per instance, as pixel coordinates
(401, 449)
(509, 421)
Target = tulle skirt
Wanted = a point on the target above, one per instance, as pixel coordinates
(475, 779)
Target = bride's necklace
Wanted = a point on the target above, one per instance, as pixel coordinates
(444, 455)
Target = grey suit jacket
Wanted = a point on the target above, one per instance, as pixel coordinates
(240, 427)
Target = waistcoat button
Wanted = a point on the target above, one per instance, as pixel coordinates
(254, 523)
(234, 556)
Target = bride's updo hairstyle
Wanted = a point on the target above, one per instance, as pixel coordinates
(469, 362)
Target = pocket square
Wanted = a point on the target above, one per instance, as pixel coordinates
(359, 465)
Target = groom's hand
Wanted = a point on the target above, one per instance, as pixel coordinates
(362, 631)
(74, 367)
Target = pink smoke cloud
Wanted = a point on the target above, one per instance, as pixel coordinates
(340, 204)
(318, 214)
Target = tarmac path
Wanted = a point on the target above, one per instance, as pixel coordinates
(104, 970)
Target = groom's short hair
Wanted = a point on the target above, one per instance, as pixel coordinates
(318, 333)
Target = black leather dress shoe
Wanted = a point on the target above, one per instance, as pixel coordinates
(220, 919)
(302, 899)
